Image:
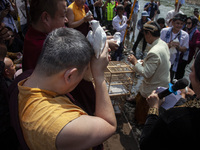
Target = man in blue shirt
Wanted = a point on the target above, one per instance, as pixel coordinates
(151, 8)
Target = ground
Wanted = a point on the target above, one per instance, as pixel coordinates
(127, 133)
(123, 138)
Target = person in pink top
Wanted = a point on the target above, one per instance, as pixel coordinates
(194, 36)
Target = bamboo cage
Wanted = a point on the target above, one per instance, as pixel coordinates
(119, 78)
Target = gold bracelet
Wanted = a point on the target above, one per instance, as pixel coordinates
(153, 111)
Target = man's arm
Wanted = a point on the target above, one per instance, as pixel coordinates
(148, 68)
(154, 127)
(74, 24)
(88, 131)
(147, 6)
(177, 46)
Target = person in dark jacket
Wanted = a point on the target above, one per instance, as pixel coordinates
(177, 128)
(8, 139)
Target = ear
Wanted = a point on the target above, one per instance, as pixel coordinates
(45, 18)
(148, 33)
(6, 72)
(70, 74)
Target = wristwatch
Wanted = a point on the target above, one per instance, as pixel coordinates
(153, 111)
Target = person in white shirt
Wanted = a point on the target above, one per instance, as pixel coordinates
(178, 43)
(119, 23)
(22, 15)
(172, 13)
(134, 18)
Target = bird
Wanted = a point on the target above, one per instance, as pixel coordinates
(89, 13)
(96, 37)
(117, 37)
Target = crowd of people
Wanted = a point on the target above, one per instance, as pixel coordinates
(47, 100)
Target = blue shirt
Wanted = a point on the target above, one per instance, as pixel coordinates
(151, 10)
(136, 8)
(140, 23)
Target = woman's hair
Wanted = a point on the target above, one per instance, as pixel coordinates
(64, 48)
(153, 28)
(194, 20)
(197, 66)
(37, 7)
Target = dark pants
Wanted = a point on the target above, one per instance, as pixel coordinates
(8, 140)
(24, 29)
(180, 71)
(117, 56)
(139, 38)
(141, 109)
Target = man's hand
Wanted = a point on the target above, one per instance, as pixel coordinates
(88, 18)
(4, 34)
(132, 59)
(154, 101)
(4, 12)
(175, 44)
(113, 45)
(187, 92)
(99, 65)
(128, 21)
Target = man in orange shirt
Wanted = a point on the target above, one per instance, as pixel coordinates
(76, 14)
(49, 120)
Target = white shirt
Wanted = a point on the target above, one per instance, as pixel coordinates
(120, 25)
(21, 11)
(184, 40)
(170, 15)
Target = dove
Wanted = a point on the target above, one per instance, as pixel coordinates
(89, 13)
(173, 52)
(117, 37)
(96, 37)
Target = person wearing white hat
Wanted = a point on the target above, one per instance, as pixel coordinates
(140, 24)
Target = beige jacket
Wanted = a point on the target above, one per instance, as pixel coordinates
(155, 68)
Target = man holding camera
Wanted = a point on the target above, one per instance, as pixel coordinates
(152, 9)
(7, 14)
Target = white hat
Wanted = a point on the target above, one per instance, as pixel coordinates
(145, 13)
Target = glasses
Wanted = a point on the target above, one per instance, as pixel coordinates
(189, 23)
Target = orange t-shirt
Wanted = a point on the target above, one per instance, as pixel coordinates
(78, 13)
(42, 116)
